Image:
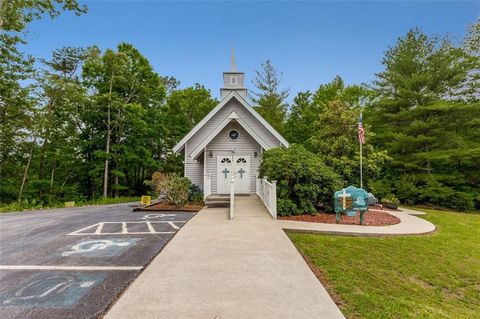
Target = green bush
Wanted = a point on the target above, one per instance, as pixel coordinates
(303, 180)
(286, 207)
(425, 190)
(195, 194)
(461, 201)
(173, 188)
(390, 198)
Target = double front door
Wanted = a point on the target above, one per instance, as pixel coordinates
(238, 165)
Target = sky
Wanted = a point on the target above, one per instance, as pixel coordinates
(309, 42)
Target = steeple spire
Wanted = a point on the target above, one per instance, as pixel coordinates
(233, 80)
(233, 65)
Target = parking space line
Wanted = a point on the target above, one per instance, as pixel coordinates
(143, 222)
(174, 226)
(88, 227)
(150, 227)
(75, 268)
(124, 228)
(129, 233)
(99, 228)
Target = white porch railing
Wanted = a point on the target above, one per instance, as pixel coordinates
(232, 197)
(207, 185)
(267, 191)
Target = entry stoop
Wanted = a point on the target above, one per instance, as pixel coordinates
(215, 200)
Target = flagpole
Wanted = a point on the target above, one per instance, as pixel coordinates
(361, 165)
(361, 155)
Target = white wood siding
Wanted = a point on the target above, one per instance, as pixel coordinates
(194, 171)
(222, 145)
(240, 79)
(232, 105)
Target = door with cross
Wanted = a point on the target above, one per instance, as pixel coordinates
(242, 174)
(238, 165)
(224, 173)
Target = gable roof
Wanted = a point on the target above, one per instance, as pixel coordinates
(232, 117)
(242, 101)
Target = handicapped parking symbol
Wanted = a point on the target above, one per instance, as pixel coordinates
(95, 245)
(55, 290)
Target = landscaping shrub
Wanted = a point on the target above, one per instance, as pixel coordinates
(390, 198)
(177, 189)
(195, 194)
(173, 188)
(303, 180)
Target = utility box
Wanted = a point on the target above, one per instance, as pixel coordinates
(350, 201)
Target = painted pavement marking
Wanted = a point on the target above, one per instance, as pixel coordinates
(99, 228)
(105, 247)
(73, 268)
(51, 289)
(89, 230)
(150, 227)
(153, 216)
(174, 226)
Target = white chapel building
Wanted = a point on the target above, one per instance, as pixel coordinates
(229, 140)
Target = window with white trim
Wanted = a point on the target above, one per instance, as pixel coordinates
(233, 80)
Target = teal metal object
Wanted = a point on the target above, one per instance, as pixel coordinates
(350, 201)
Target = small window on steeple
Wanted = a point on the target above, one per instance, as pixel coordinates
(233, 80)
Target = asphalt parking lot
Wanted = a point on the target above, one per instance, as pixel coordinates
(75, 262)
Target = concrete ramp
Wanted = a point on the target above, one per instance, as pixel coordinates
(220, 268)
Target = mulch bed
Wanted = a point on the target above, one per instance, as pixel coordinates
(162, 206)
(372, 218)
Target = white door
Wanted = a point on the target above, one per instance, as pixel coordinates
(238, 165)
(241, 166)
(224, 173)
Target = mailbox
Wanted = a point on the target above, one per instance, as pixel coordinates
(350, 201)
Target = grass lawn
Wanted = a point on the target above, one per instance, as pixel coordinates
(25, 205)
(431, 276)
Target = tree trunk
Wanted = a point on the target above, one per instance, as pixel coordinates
(107, 151)
(65, 181)
(52, 174)
(27, 167)
(107, 147)
(116, 186)
(41, 165)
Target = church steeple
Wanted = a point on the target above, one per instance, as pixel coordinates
(233, 65)
(233, 80)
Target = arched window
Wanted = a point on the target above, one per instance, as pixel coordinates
(241, 160)
(225, 160)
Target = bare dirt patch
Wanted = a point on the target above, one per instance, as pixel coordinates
(372, 218)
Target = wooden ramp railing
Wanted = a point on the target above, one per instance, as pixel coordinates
(267, 191)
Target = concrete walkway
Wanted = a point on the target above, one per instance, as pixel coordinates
(220, 268)
(409, 225)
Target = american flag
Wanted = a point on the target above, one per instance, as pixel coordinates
(361, 131)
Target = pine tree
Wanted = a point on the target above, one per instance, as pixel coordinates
(434, 142)
(270, 98)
